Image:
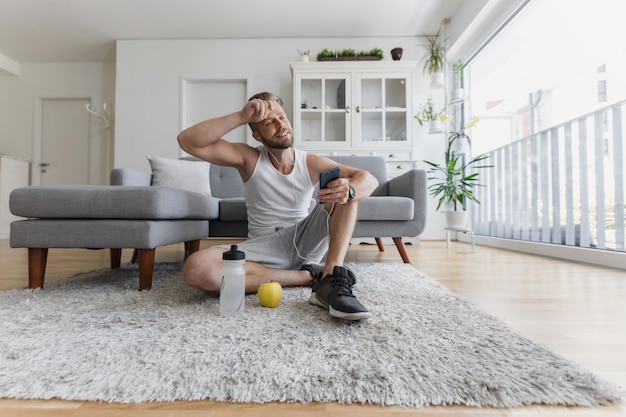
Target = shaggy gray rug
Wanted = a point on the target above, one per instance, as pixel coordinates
(95, 337)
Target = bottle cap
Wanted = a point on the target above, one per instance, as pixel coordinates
(233, 254)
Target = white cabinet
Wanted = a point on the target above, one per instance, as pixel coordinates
(355, 107)
(14, 173)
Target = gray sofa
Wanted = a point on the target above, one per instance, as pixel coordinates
(134, 213)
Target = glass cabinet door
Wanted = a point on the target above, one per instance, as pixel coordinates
(324, 111)
(382, 109)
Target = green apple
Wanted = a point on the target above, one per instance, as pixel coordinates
(270, 294)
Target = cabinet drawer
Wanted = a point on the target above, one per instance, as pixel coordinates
(397, 156)
(397, 168)
(393, 155)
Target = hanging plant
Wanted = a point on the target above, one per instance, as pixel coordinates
(435, 56)
(427, 113)
(457, 69)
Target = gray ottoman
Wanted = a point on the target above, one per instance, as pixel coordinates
(113, 217)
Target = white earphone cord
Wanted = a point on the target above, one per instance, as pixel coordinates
(295, 201)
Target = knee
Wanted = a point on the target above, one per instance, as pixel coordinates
(200, 270)
(344, 211)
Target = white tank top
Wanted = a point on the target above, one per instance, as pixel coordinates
(275, 200)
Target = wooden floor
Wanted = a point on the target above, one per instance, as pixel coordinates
(576, 310)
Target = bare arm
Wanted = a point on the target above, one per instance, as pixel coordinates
(204, 140)
(363, 182)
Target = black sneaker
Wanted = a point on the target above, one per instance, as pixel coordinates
(334, 292)
(314, 270)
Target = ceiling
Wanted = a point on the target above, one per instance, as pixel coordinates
(86, 30)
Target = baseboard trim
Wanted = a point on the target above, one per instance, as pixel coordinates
(592, 256)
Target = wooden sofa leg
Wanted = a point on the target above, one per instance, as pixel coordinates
(379, 243)
(400, 245)
(191, 247)
(37, 258)
(146, 268)
(116, 258)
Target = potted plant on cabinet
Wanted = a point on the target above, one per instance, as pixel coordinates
(428, 115)
(453, 182)
(347, 54)
(434, 59)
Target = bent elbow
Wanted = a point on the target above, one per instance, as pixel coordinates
(182, 141)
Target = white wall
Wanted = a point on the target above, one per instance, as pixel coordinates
(18, 94)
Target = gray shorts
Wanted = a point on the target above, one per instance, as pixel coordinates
(291, 247)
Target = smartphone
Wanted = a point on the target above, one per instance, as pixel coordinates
(328, 176)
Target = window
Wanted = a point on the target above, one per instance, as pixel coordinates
(551, 97)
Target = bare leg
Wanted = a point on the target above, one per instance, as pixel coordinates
(342, 222)
(334, 292)
(203, 270)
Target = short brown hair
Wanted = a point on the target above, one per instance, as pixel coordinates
(267, 97)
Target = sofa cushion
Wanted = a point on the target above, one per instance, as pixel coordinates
(180, 173)
(386, 208)
(375, 165)
(233, 209)
(111, 202)
(225, 182)
(104, 233)
(371, 208)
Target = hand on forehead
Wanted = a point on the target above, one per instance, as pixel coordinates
(273, 109)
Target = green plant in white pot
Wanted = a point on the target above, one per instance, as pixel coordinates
(453, 182)
(427, 115)
(460, 140)
(458, 92)
(435, 58)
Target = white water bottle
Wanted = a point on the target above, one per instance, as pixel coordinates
(233, 284)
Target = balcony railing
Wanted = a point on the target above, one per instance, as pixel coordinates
(563, 185)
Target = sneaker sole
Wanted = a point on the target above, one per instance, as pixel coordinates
(361, 315)
(317, 302)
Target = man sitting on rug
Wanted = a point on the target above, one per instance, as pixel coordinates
(285, 243)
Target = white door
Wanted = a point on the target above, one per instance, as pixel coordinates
(65, 137)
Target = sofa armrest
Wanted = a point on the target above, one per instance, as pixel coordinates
(132, 177)
(412, 184)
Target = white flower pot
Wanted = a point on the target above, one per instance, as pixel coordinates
(457, 95)
(461, 145)
(437, 80)
(456, 219)
(435, 126)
